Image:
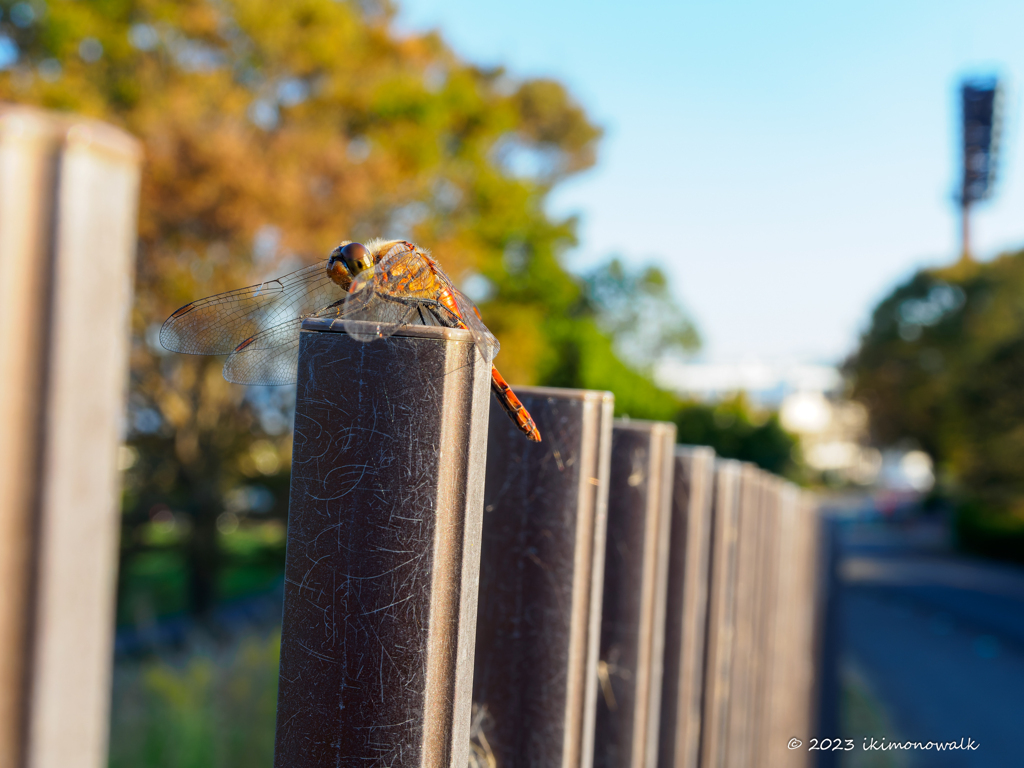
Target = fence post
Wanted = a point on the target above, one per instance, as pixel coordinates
(809, 599)
(738, 744)
(792, 656)
(542, 563)
(767, 606)
(635, 583)
(686, 607)
(383, 555)
(721, 605)
(68, 197)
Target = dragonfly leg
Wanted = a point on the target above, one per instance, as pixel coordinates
(439, 312)
(434, 308)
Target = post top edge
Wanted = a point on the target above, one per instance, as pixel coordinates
(695, 452)
(644, 425)
(589, 395)
(69, 129)
(326, 325)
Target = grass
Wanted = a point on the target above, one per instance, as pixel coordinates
(154, 581)
(992, 528)
(862, 715)
(211, 708)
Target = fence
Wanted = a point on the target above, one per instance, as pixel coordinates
(640, 604)
(455, 595)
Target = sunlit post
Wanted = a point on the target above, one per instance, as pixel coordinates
(721, 611)
(746, 643)
(809, 598)
(545, 513)
(766, 607)
(635, 584)
(68, 206)
(383, 553)
(686, 608)
(796, 614)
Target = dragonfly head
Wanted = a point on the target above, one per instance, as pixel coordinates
(347, 261)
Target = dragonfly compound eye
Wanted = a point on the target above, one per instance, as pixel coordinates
(338, 271)
(357, 257)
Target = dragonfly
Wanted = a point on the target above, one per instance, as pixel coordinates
(373, 289)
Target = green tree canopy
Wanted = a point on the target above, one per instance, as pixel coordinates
(938, 367)
(637, 309)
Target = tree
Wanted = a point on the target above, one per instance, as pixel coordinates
(637, 309)
(731, 430)
(272, 131)
(936, 354)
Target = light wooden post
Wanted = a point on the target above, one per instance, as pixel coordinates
(68, 203)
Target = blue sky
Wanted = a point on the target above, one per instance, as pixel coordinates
(786, 162)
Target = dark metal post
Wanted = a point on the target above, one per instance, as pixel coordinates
(745, 642)
(540, 581)
(383, 550)
(686, 608)
(766, 608)
(635, 583)
(810, 599)
(827, 649)
(791, 688)
(721, 613)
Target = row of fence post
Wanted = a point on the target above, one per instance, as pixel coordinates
(454, 594)
(602, 598)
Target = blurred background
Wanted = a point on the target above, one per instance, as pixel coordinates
(745, 218)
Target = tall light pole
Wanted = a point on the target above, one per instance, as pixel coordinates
(981, 110)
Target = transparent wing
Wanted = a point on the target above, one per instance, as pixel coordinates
(217, 325)
(374, 314)
(268, 358)
(485, 340)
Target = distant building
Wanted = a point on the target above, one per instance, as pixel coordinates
(833, 431)
(765, 384)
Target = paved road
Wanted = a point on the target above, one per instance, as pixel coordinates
(933, 642)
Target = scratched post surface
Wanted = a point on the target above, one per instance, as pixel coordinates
(686, 607)
(635, 583)
(383, 550)
(542, 564)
